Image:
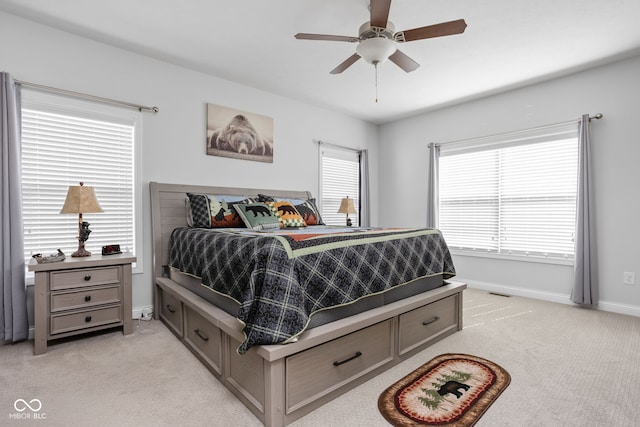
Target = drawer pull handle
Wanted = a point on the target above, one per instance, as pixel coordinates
(87, 277)
(87, 319)
(170, 308)
(340, 362)
(430, 321)
(87, 298)
(201, 335)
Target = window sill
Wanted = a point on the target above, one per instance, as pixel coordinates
(520, 258)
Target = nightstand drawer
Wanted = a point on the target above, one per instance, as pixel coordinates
(85, 319)
(86, 298)
(85, 277)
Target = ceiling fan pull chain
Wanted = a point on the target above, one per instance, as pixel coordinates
(376, 68)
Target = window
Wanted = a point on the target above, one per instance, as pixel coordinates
(511, 194)
(339, 178)
(65, 141)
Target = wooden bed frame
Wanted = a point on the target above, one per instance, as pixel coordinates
(281, 383)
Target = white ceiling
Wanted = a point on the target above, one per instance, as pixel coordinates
(508, 43)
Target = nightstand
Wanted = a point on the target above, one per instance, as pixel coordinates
(80, 295)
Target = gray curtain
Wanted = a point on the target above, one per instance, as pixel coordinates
(585, 287)
(14, 324)
(432, 186)
(365, 207)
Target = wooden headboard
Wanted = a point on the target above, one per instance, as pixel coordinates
(169, 211)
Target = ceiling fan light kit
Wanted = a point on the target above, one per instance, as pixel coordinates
(377, 38)
(376, 50)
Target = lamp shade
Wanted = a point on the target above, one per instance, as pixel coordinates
(81, 199)
(376, 50)
(347, 206)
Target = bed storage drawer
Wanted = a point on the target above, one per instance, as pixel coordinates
(245, 376)
(171, 311)
(204, 338)
(425, 323)
(322, 369)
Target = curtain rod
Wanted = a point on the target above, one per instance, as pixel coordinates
(597, 116)
(86, 96)
(338, 146)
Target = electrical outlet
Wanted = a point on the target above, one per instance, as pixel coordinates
(146, 313)
(629, 278)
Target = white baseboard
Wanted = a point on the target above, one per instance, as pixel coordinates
(520, 292)
(615, 307)
(612, 307)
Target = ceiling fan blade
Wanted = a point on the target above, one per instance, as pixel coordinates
(345, 64)
(430, 31)
(403, 61)
(327, 37)
(379, 11)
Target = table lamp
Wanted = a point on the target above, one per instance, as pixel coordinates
(347, 207)
(81, 199)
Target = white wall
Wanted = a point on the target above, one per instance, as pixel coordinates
(173, 148)
(173, 145)
(613, 90)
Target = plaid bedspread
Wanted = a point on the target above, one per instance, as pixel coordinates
(281, 278)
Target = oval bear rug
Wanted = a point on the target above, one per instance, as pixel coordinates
(449, 390)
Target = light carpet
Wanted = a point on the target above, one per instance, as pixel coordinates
(569, 366)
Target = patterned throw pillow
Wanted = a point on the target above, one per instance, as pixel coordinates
(263, 198)
(287, 214)
(223, 211)
(209, 211)
(309, 212)
(257, 216)
(200, 211)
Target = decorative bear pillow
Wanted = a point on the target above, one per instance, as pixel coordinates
(309, 212)
(264, 198)
(214, 211)
(223, 211)
(287, 214)
(257, 216)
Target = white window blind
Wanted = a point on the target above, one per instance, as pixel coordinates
(340, 177)
(512, 194)
(63, 143)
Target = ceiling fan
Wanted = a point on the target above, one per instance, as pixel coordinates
(377, 38)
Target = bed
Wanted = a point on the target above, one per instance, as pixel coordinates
(280, 331)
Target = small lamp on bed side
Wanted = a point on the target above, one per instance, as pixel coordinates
(347, 207)
(81, 199)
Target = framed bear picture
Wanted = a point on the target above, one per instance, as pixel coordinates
(239, 134)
